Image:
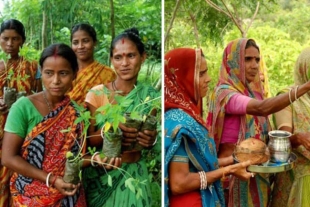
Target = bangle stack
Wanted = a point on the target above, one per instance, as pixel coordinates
(92, 160)
(47, 179)
(203, 180)
(295, 93)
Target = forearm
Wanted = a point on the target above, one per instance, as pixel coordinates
(226, 161)
(191, 182)
(274, 104)
(21, 166)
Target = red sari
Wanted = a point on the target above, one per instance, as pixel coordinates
(47, 135)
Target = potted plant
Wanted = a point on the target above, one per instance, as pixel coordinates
(74, 161)
(110, 116)
(10, 93)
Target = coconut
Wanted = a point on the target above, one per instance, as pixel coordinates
(252, 149)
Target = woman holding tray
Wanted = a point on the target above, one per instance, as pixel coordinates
(237, 111)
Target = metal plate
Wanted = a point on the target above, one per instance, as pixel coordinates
(271, 167)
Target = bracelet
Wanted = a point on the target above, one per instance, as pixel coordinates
(92, 160)
(296, 90)
(54, 181)
(203, 180)
(155, 141)
(47, 179)
(289, 96)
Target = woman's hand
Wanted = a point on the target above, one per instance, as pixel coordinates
(129, 135)
(108, 164)
(3, 107)
(301, 139)
(67, 189)
(239, 170)
(147, 138)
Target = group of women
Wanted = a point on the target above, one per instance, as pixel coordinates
(198, 151)
(33, 141)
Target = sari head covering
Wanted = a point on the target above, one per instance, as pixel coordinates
(291, 187)
(232, 80)
(183, 121)
(182, 81)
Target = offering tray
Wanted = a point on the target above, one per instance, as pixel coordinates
(271, 167)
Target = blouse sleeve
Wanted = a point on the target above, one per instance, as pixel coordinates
(284, 118)
(237, 104)
(22, 117)
(96, 99)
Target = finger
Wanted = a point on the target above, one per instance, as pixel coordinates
(127, 129)
(118, 162)
(151, 133)
(130, 134)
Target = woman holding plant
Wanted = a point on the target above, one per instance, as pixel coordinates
(192, 169)
(17, 75)
(127, 55)
(91, 72)
(39, 132)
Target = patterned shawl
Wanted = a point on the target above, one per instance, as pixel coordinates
(183, 120)
(182, 81)
(45, 147)
(288, 191)
(89, 77)
(231, 81)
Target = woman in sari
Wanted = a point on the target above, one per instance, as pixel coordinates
(16, 72)
(91, 72)
(292, 188)
(237, 112)
(34, 146)
(127, 55)
(192, 170)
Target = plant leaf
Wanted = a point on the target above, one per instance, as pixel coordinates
(110, 180)
(128, 184)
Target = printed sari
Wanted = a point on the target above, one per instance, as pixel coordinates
(45, 147)
(184, 123)
(292, 188)
(23, 79)
(96, 180)
(92, 75)
(232, 80)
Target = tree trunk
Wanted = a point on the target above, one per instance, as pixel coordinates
(112, 24)
(44, 26)
(172, 19)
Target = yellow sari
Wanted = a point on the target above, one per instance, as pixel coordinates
(89, 77)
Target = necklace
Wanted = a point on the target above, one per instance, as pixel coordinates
(46, 101)
(121, 92)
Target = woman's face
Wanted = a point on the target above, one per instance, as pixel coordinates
(10, 42)
(127, 60)
(251, 59)
(83, 45)
(57, 75)
(204, 78)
